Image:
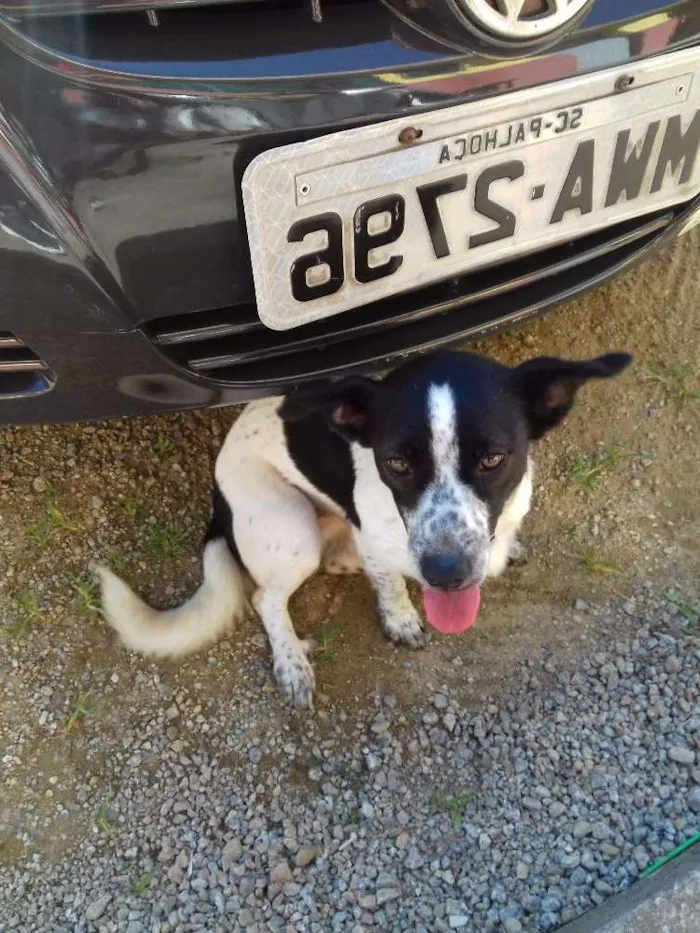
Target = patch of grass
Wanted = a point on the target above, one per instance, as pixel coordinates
(163, 447)
(678, 380)
(88, 593)
(41, 533)
(81, 709)
(130, 505)
(455, 806)
(595, 563)
(145, 881)
(688, 607)
(118, 562)
(25, 613)
(164, 542)
(325, 638)
(57, 519)
(104, 821)
(589, 472)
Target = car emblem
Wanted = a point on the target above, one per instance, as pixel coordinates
(522, 20)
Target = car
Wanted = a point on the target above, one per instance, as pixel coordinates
(203, 204)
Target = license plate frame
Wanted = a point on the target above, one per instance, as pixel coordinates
(349, 178)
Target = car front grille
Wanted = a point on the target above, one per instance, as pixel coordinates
(232, 347)
(22, 372)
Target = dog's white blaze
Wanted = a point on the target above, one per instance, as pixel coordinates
(442, 418)
(449, 513)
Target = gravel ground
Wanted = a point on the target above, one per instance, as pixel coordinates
(514, 816)
(504, 781)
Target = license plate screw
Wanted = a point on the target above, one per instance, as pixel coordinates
(624, 83)
(409, 134)
(304, 190)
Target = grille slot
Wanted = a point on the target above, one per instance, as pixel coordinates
(231, 346)
(22, 372)
(237, 38)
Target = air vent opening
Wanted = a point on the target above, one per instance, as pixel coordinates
(22, 372)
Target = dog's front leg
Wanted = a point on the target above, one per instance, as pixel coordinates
(399, 618)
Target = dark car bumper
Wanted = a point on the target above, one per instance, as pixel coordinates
(124, 268)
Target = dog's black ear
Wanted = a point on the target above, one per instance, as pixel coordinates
(346, 404)
(548, 386)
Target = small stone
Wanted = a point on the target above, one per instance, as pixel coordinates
(512, 925)
(693, 799)
(681, 755)
(557, 809)
(582, 829)
(484, 842)
(449, 721)
(457, 921)
(95, 910)
(232, 851)
(440, 701)
(384, 895)
(380, 723)
(255, 755)
(281, 873)
(641, 857)
(305, 856)
(551, 904)
(522, 871)
(372, 761)
(246, 918)
(570, 860)
(367, 810)
(39, 484)
(414, 860)
(402, 841)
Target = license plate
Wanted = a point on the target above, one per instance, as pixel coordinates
(353, 217)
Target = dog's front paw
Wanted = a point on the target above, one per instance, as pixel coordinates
(295, 675)
(405, 629)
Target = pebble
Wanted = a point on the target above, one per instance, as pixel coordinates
(458, 921)
(582, 829)
(39, 484)
(305, 856)
(232, 852)
(681, 755)
(97, 908)
(281, 873)
(693, 799)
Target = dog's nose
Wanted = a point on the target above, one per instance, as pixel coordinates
(445, 571)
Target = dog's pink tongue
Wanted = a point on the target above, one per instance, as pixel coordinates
(453, 612)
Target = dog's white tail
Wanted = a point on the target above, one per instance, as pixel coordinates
(214, 608)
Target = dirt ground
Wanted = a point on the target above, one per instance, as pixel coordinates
(617, 503)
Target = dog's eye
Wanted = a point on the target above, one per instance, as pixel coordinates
(490, 462)
(398, 465)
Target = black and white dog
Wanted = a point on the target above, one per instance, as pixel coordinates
(425, 474)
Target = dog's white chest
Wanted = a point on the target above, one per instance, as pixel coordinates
(383, 532)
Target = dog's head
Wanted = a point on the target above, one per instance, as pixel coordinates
(450, 434)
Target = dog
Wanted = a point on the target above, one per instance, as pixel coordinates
(424, 474)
